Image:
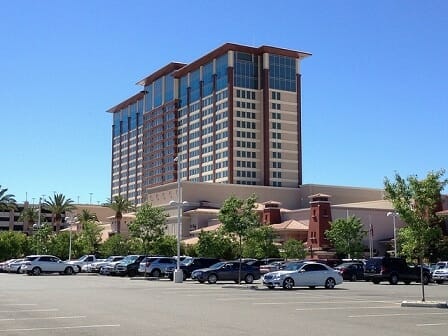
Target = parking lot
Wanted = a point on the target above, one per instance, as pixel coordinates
(101, 305)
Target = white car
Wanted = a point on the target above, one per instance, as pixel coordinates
(440, 273)
(96, 267)
(38, 264)
(14, 266)
(306, 273)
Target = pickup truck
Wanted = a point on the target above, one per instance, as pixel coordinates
(84, 260)
(393, 270)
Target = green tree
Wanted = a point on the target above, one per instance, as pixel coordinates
(346, 235)
(58, 244)
(416, 201)
(58, 205)
(41, 238)
(120, 205)
(89, 238)
(86, 216)
(294, 249)
(114, 245)
(260, 243)
(7, 201)
(216, 244)
(149, 225)
(28, 216)
(12, 245)
(165, 245)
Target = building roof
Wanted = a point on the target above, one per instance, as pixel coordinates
(191, 241)
(207, 228)
(291, 225)
(379, 204)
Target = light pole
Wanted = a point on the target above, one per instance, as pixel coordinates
(70, 220)
(178, 274)
(394, 215)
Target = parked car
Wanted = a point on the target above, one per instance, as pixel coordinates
(156, 266)
(305, 273)
(128, 265)
(227, 271)
(5, 263)
(96, 267)
(352, 270)
(188, 265)
(440, 273)
(38, 264)
(109, 268)
(272, 267)
(14, 266)
(82, 261)
(394, 270)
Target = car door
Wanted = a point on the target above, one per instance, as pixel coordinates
(56, 264)
(227, 271)
(304, 276)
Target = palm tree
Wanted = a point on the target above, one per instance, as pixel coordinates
(58, 205)
(86, 216)
(120, 205)
(29, 216)
(7, 201)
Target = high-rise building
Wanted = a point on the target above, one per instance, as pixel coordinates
(232, 116)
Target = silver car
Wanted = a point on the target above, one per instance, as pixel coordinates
(38, 264)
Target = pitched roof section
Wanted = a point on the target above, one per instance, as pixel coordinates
(291, 225)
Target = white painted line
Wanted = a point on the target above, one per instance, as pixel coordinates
(41, 318)
(431, 324)
(398, 314)
(62, 328)
(28, 310)
(18, 304)
(347, 308)
(323, 302)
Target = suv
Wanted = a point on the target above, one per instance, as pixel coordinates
(189, 264)
(37, 264)
(393, 270)
(129, 265)
(440, 273)
(156, 266)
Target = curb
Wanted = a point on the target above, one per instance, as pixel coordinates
(425, 304)
(253, 287)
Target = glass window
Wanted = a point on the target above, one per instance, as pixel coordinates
(148, 98)
(158, 92)
(169, 88)
(221, 72)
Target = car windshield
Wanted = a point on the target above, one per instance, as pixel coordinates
(129, 259)
(293, 266)
(217, 265)
(440, 265)
(187, 261)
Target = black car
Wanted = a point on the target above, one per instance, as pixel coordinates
(129, 265)
(189, 264)
(351, 270)
(394, 270)
(227, 271)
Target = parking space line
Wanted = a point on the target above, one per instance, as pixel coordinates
(321, 302)
(18, 304)
(395, 314)
(28, 310)
(62, 328)
(42, 318)
(431, 324)
(347, 308)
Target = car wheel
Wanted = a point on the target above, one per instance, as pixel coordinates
(155, 273)
(330, 283)
(201, 281)
(36, 271)
(270, 287)
(18, 271)
(69, 271)
(425, 279)
(132, 273)
(376, 282)
(312, 287)
(407, 282)
(393, 279)
(353, 277)
(249, 279)
(184, 276)
(439, 282)
(288, 283)
(212, 278)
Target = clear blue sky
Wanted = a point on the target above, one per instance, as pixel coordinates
(375, 91)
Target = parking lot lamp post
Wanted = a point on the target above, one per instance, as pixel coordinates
(70, 221)
(394, 214)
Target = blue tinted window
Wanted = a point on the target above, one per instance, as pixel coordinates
(133, 124)
(246, 70)
(148, 98)
(140, 106)
(158, 92)
(183, 91)
(125, 120)
(282, 73)
(207, 77)
(117, 118)
(221, 72)
(194, 84)
(169, 88)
